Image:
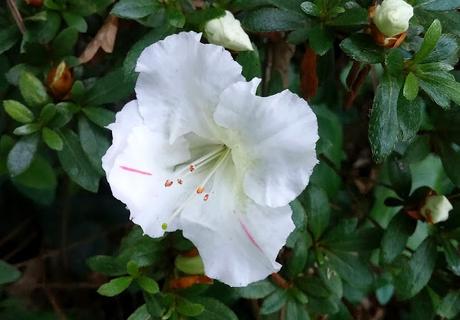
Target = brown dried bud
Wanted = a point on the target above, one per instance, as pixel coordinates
(34, 3)
(60, 80)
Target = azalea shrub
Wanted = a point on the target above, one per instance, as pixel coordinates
(229, 159)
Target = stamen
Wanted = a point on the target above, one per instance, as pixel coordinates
(222, 158)
(200, 162)
(168, 183)
(200, 189)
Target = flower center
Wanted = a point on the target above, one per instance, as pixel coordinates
(214, 160)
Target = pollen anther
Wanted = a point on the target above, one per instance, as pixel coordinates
(180, 181)
(206, 197)
(191, 168)
(168, 183)
(199, 190)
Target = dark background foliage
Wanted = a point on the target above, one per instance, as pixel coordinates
(389, 135)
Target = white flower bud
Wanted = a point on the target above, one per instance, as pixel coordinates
(436, 209)
(392, 17)
(226, 31)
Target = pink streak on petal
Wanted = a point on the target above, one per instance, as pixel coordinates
(136, 170)
(250, 236)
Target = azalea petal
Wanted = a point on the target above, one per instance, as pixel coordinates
(272, 139)
(125, 120)
(180, 82)
(237, 239)
(138, 174)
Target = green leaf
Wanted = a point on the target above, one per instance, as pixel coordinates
(47, 114)
(115, 286)
(362, 48)
(256, 290)
(175, 17)
(452, 256)
(43, 31)
(100, 116)
(320, 39)
(296, 311)
(140, 313)
(394, 62)
(450, 305)
(442, 84)
(410, 116)
(400, 175)
(148, 284)
(316, 204)
(134, 9)
(272, 19)
(274, 302)
(132, 268)
(87, 7)
(417, 272)
(64, 43)
(8, 273)
(188, 308)
(351, 269)
(40, 175)
(432, 36)
(446, 50)
(75, 163)
(75, 21)
(52, 139)
(214, 310)
(250, 61)
(112, 87)
(32, 90)
(200, 17)
(27, 129)
(189, 265)
(331, 279)
(93, 141)
(64, 113)
(383, 123)
(22, 154)
(438, 5)
(107, 265)
(8, 37)
(450, 157)
(394, 240)
(355, 16)
(18, 111)
(298, 260)
(411, 87)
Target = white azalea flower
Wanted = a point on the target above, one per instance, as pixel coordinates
(199, 151)
(227, 31)
(392, 17)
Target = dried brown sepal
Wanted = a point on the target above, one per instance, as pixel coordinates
(35, 3)
(189, 281)
(381, 39)
(104, 39)
(60, 81)
(308, 74)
